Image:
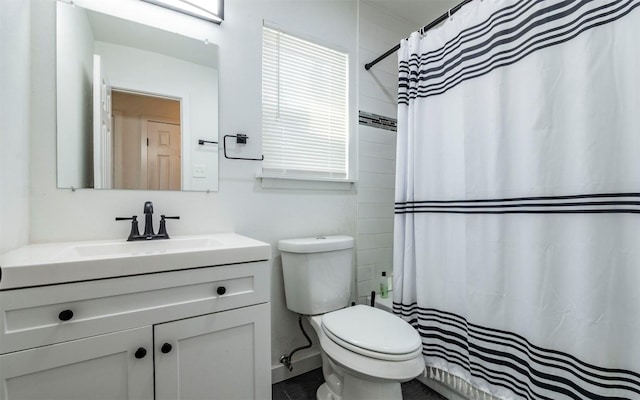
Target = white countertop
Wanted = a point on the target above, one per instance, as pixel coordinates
(51, 263)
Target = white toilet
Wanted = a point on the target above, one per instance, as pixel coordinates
(366, 352)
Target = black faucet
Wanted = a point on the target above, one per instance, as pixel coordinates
(148, 225)
(148, 219)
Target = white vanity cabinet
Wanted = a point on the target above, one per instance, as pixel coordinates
(214, 356)
(191, 333)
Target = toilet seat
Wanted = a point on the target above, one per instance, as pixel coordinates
(372, 333)
(361, 365)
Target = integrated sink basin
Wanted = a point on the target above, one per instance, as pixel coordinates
(124, 249)
(45, 264)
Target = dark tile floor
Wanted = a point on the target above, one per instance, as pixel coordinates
(303, 387)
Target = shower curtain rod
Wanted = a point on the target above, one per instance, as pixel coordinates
(425, 28)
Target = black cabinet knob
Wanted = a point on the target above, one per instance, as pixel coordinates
(140, 353)
(166, 348)
(65, 315)
(221, 290)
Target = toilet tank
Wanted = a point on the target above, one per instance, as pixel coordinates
(317, 273)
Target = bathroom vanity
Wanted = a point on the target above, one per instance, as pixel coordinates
(181, 318)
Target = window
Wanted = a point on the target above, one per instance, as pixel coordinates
(304, 108)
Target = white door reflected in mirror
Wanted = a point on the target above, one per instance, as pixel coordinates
(163, 156)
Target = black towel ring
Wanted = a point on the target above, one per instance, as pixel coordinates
(242, 139)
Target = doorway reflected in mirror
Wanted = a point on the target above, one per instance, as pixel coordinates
(146, 141)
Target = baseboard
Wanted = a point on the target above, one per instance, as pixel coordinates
(440, 388)
(308, 363)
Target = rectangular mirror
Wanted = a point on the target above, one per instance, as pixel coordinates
(137, 106)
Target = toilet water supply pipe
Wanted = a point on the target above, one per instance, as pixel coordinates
(286, 359)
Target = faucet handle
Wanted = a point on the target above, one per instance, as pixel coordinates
(162, 231)
(134, 226)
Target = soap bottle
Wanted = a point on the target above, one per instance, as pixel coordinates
(384, 289)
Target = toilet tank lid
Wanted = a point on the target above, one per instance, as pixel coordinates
(316, 244)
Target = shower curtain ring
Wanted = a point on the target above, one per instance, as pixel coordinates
(449, 13)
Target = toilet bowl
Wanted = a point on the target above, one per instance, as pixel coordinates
(366, 352)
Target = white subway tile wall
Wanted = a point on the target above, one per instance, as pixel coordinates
(366, 272)
(375, 207)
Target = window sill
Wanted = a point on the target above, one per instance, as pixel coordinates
(304, 183)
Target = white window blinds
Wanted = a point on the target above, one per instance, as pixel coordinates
(304, 107)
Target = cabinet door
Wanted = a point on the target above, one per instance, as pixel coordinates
(221, 356)
(99, 367)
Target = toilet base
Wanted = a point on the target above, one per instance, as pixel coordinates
(324, 393)
(356, 388)
(360, 389)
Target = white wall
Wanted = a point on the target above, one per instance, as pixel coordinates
(196, 85)
(240, 205)
(75, 80)
(14, 123)
(379, 31)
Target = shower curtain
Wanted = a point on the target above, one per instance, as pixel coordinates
(517, 226)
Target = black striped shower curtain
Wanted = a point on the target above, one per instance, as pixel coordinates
(517, 226)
